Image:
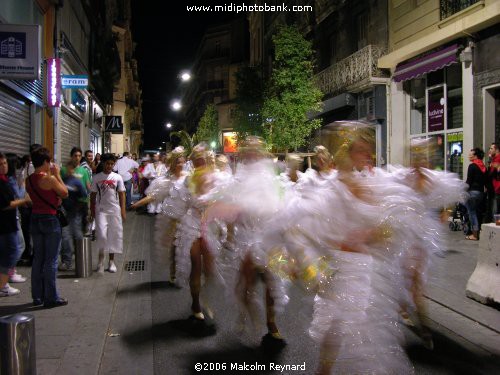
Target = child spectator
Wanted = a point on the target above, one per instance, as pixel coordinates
(107, 206)
(73, 231)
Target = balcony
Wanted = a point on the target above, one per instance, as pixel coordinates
(447, 8)
(355, 70)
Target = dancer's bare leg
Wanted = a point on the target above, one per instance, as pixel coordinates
(195, 279)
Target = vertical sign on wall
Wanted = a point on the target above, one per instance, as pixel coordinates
(53, 82)
(435, 115)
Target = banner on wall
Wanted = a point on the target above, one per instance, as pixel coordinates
(20, 48)
(435, 116)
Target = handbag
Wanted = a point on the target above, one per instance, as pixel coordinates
(61, 216)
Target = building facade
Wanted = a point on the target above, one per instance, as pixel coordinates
(222, 51)
(444, 78)
(23, 118)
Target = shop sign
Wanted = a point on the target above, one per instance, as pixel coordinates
(113, 124)
(20, 47)
(229, 142)
(53, 82)
(435, 116)
(74, 82)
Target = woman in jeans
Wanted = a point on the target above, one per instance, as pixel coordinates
(46, 189)
(476, 179)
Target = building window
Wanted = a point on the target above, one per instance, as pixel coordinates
(435, 112)
(362, 22)
(449, 7)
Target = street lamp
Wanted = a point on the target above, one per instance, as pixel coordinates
(176, 105)
(168, 125)
(185, 76)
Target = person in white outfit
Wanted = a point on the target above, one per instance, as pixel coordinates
(152, 171)
(107, 206)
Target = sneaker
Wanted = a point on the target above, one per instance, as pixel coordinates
(37, 302)
(16, 278)
(65, 267)
(100, 268)
(112, 267)
(8, 291)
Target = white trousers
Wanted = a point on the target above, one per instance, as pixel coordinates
(109, 233)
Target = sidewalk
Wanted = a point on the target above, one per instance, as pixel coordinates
(449, 307)
(103, 328)
(71, 339)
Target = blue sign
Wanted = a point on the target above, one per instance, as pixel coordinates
(74, 82)
(12, 45)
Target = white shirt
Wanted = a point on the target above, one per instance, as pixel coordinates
(124, 165)
(107, 187)
(153, 171)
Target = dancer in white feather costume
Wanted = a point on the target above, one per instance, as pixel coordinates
(348, 240)
(168, 190)
(249, 205)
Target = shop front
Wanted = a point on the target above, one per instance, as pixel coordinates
(433, 93)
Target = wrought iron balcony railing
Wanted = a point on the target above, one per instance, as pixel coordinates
(448, 8)
(354, 69)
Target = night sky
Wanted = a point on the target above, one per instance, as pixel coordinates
(167, 37)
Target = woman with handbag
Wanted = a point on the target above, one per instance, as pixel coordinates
(46, 189)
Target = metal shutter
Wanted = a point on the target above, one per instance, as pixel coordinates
(70, 134)
(15, 129)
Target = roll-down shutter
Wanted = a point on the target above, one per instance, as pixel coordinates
(15, 129)
(70, 134)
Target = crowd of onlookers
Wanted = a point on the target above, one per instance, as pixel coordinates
(45, 209)
(483, 201)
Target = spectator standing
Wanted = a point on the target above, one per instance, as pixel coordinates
(73, 231)
(494, 181)
(88, 163)
(107, 206)
(25, 212)
(9, 240)
(143, 181)
(19, 193)
(97, 162)
(154, 170)
(83, 175)
(46, 188)
(125, 167)
(476, 179)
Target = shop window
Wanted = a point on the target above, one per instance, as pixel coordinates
(454, 153)
(416, 89)
(436, 114)
(454, 87)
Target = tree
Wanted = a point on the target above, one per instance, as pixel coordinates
(247, 117)
(292, 94)
(187, 141)
(208, 127)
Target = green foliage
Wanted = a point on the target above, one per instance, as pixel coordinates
(208, 127)
(247, 119)
(291, 95)
(187, 141)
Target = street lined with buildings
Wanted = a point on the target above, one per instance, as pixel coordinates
(136, 322)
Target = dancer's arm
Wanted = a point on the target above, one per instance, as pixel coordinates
(144, 201)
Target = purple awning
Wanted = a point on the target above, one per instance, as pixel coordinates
(430, 63)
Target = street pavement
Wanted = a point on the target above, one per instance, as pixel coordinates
(135, 322)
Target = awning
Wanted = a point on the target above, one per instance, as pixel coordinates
(430, 63)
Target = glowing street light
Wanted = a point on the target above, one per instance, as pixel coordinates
(185, 76)
(213, 144)
(176, 105)
(168, 125)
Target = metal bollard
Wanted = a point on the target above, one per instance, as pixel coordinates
(83, 257)
(17, 345)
